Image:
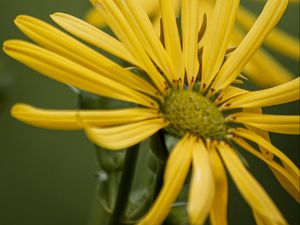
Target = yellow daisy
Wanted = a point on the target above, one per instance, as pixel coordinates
(190, 94)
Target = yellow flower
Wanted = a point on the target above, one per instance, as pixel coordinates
(191, 94)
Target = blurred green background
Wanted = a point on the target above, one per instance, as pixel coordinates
(48, 177)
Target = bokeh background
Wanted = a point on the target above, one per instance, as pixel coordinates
(48, 177)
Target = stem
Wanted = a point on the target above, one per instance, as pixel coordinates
(125, 184)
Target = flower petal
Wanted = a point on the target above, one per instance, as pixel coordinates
(171, 37)
(289, 182)
(150, 6)
(274, 123)
(94, 18)
(278, 39)
(71, 73)
(92, 35)
(77, 119)
(206, 9)
(217, 39)
(122, 28)
(50, 119)
(141, 24)
(282, 179)
(280, 94)
(124, 136)
(190, 29)
(68, 47)
(202, 187)
(173, 184)
(261, 220)
(269, 17)
(294, 171)
(218, 211)
(228, 93)
(263, 63)
(251, 190)
(273, 72)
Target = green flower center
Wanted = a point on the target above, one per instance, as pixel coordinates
(189, 111)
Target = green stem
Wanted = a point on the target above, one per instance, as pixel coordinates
(125, 184)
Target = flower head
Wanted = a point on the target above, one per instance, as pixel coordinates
(190, 93)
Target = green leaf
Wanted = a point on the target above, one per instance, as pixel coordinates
(147, 178)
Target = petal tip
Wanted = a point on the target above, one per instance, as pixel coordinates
(21, 18)
(20, 108)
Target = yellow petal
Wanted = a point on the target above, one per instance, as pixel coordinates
(122, 28)
(124, 136)
(262, 68)
(291, 184)
(217, 39)
(261, 220)
(50, 119)
(190, 29)
(171, 188)
(265, 134)
(92, 35)
(68, 47)
(274, 123)
(278, 39)
(71, 73)
(94, 17)
(150, 6)
(206, 9)
(171, 37)
(265, 71)
(280, 94)
(267, 145)
(202, 187)
(282, 179)
(251, 190)
(77, 119)
(143, 27)
(218, 212)
(228, 93)
(269, 17)
(290, 1)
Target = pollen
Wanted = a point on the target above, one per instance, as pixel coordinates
(190, 112)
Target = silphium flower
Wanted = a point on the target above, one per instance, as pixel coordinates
(191, 94)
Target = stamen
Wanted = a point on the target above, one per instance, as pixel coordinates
(190, 112)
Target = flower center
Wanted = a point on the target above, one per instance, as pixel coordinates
(189, 111)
